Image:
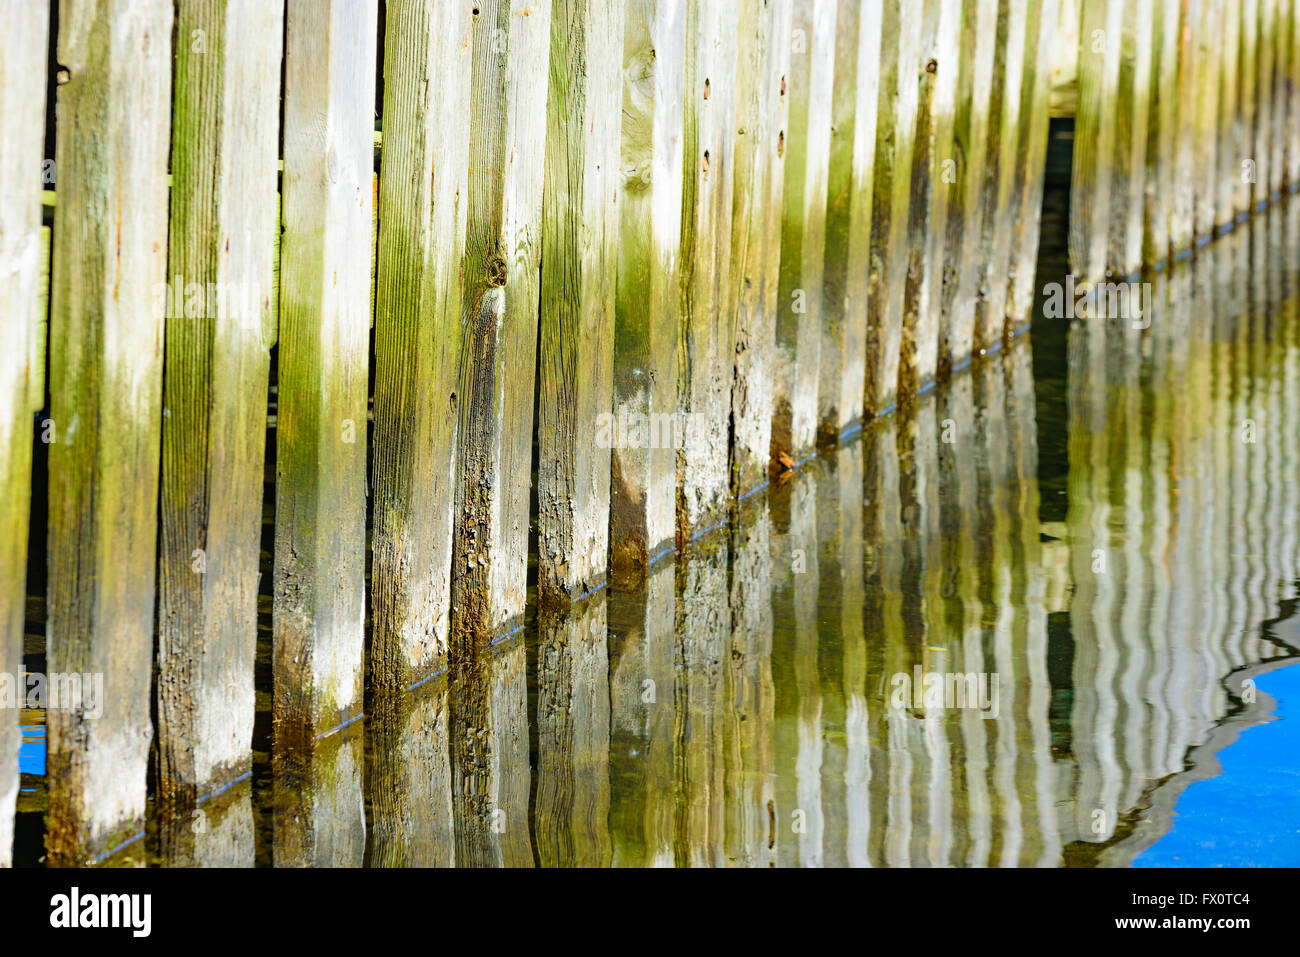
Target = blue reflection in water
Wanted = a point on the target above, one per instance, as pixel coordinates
(1246, 816)
(31, 752)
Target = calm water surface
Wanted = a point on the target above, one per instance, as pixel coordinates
(1080, 524)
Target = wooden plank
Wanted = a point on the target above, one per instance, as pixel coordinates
(707, 328)
(500, 276)
(936, 71)
(105, 381)
(1279, 43)
(809, 85)
(1291, 24)
(1247, 69)
(579, 225)
(1228, 177)
(217, 305)
(1040, 31)
(319, 816)
(1162, 132)
(1001, 170)
(1092, 173)
(1132, 106)
(962, 250)
(1209, 41)
(848, 219)
(1264, 101)
(763, 61)
(423, 201)
(24, 39)
(320, 522)
(643, 459)
(891, 195)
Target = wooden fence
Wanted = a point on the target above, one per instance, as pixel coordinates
(572, 276)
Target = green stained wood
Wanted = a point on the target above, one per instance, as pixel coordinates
(1002, 169)
(1092, 172)
(1208, 44)
(891, 196)
(1264, 101)
(110, 241)
(423, 202)
(848, 219)
(1162, 132)
(1247, 69)
(1132, 107)
(934, 171)
(1040, 32)
(221, 245)
(1228, 180)
(963, 249)
(579, 230)
(503, 248)
(320, 522)
(763, 62)
(646, 427)
(707, 329)
(809, 86)
(24, 273)
(1273, 59)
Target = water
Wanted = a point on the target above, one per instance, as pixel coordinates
(1081, 524)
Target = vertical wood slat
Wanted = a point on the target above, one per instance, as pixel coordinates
(1132, 107)
(936, 72)
(226, 125)
(809, 86)
(707, 328)
(1162, 121)
(423, 202)
(1000, 180)
(642, 435)
(503, 247)
(965, 220)
(842, 364)
(763, 61)
(1094, 136)
(24, 31)
(110, 240)
(1228, 176)
(1261, 27)
(320, 524)
(1207, 53)
(1291, 24)
(891, 193)
(579, 226)
(1041, 30)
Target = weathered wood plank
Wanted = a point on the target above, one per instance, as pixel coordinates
(500, 275)
(707, 328)
(579, 226)
(1092, 174)
(423, 202)
(936, 70)
(1247, 69)
(891, 194)
(1228, 177)
(1040, 31)
(808, 90)
(1278, 39)
(1264, 102)
(848, 219)
(24, 35)
(225, 146)
(1162, 132)
(763, 62)
(320, 522)
(643, 458)
(110, 238)
(1132, 107)
(1208, 45)
(1292, 27)
(1001, 170)
(963, 250)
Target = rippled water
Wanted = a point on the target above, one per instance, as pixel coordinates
(1079, 524)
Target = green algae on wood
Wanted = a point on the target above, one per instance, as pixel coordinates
(500, 273)
(842, 364)
(963, 248)
(225, 142)
(808, 91)
(1162, 131)
(1132, 107)
(105, 384)
(24, 273)
(1092, 170)
(891, 195)
(576, 329)
(1208, 43)
(423, 202)
(320, 521)
(706, 331)
(644, 433)
(763, 61)
(1228, 180)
